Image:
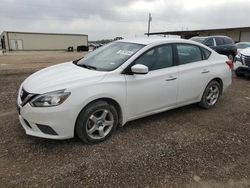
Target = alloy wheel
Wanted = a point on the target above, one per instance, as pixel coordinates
(213, 95)
(99, 124)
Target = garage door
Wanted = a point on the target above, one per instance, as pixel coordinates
(245, 36)
(19, 44)
(12, 44)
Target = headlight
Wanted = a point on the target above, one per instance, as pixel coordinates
(54, 98)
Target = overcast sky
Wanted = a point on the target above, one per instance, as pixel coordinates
(127, 18)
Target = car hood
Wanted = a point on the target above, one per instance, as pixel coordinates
(245, 51)
(61, 76)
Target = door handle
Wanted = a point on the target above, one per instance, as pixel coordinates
(171, 78)
(205, 71)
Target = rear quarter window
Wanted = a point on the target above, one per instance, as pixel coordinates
(206, 53)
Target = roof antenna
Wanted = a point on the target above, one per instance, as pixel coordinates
(149, 21)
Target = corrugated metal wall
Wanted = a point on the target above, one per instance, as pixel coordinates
(34, 41)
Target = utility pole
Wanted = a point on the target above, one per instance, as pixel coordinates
(149, 21)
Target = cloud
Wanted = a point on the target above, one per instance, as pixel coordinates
(127, 18)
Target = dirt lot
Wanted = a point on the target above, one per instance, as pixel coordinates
(186, 147)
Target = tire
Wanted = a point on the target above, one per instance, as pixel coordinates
(239, 74)
(96, 122)
(211, 95)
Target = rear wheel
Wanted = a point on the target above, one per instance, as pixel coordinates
(211, 95)
(96, 122)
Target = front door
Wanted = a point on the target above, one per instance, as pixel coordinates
(156, 90)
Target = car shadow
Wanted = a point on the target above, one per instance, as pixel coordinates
(135, 124)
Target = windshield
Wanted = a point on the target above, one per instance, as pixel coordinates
(243, 45)
(110, 56)
(198, 39)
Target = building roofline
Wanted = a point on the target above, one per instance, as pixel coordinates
(191, 31)
(40, 33)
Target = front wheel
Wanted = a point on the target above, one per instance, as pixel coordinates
(96, 122)
(211, 95)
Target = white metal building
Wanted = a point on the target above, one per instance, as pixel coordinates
(238, 34)
(18, 41)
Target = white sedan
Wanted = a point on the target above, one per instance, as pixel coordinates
(120, 82)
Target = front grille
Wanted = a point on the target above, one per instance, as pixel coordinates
(23, 94)
(245, 60)
(26, 97)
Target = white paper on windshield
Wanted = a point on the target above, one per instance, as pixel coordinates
(124, 52)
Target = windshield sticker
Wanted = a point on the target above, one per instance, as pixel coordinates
(124, 52)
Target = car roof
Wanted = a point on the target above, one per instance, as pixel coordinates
(212, 36)
(151, 40)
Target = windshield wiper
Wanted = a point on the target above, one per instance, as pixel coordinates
(87, 66)
(75, 61)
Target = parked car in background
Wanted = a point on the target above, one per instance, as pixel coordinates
(221, 44)
(242, 45)
(82, 48)
(119, 82)
(242, 63)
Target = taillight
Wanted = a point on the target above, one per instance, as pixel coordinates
(230, 64)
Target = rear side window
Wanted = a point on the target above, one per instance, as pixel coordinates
(219, 41)
(228, 41)
(188, 53)
(206, 53)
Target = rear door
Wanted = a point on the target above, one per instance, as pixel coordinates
(194, 72)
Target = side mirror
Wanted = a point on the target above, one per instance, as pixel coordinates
(139, 69)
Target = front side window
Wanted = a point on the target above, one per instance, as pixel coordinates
(188, 53)
(157, 58)
(110, 56)
(198, 39)
(209, 42)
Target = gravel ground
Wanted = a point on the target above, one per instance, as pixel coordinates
(185, 147)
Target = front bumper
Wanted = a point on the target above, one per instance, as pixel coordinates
(239, 64)
(241, 69)
(47, 122)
